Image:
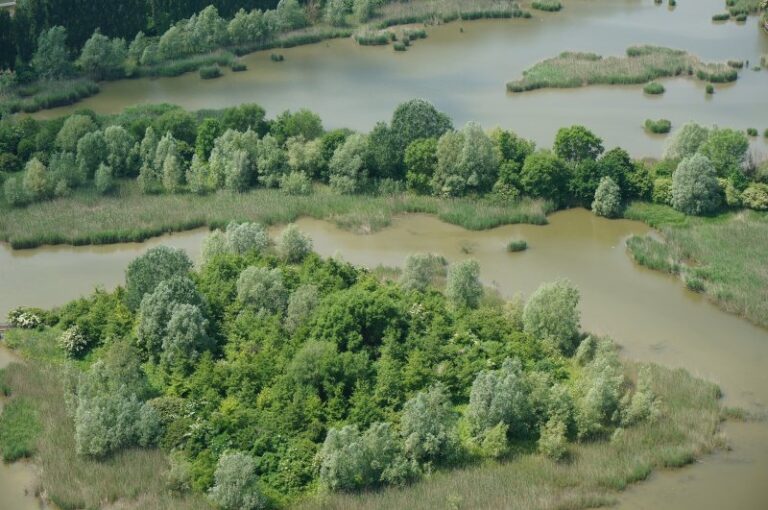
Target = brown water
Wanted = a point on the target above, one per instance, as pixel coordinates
(465, 74)
(18, 480)
(651, 315)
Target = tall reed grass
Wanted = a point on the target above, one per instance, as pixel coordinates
(641, 65)
(128, 215)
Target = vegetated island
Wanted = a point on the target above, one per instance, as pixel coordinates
(642, 64)
(269, 377)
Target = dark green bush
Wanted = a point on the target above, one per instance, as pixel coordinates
(276, 57)
(661, 126)
(547, 5)
(210, 72)
(721, 17)
(516, 245)
(239, 67)
(654, 88)
(751, 131)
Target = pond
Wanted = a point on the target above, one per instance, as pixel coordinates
(463, 69)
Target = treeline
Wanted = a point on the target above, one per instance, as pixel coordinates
(269, 371)
(80, 18)
(169, 150)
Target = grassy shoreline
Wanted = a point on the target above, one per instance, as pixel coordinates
(596, 473)
(129, 216)
(722, 257)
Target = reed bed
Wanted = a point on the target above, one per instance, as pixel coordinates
(127, 216)
(642, 64)
(722, 256)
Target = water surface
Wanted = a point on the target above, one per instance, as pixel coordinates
(651, 315)
(465, 73)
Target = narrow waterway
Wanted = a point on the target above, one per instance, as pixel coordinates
(463, 68)
(18, 480)
(651, 315)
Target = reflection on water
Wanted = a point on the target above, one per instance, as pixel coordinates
(464, 74)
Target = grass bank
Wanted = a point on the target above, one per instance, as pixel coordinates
(133, 479)
(592, 476)
(641, 64)
(724, 257)
(686, 428)
(87, 218)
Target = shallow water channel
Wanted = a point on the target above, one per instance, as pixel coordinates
(463, 68)
(652, 316)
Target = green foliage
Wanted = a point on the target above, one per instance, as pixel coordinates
(553, 441)
(294, 245)
(726, 149)
(235, 486)
(685, 142)
(658, 127)
(467, 162)
(576, 144)
(500, 396)
(695, 189)
(654, 88)
(755, 196)
(104, 179)
(517, 245)
(19, 428)
(102, 58)
(463, 288)
(262, 289)
(607, 199)
(296, 183)
(51, 59)
(544, 175)
(301, 305)
(349, 166)
(242, 238)
(420, 270)
(552, 314)
(427, 426)
(146, 272)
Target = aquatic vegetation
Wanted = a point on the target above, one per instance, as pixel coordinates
(654, 88)
(641, 65)
(661, 126)
(547, 5)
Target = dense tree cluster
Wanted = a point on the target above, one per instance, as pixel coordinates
(268, 370)
(169, 150)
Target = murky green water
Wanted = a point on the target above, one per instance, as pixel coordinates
(651, 315)
(465, 74)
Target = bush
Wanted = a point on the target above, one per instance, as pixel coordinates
(210, 72)
(427, 426)
(24, 319)
(301, 304)
(146, 272)
(463, 288)
(607, 201)
(500, 396)
(73, 342)
(553, 441)
(756, 197)
(710, 89)
(235, 483)
(104, 180)
(420, 270)
(400, 46)
(659, 127)
(242, 238)
(654, 88)
(262, 289)
(547, 5)
(296, 184)
(350, 460)
(751, 132)
(662, 191)
(552, 314)
(276, 57)
(293, 244)
(239, 67)
(695, 189)
(516, 245)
